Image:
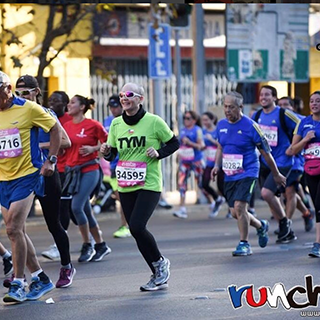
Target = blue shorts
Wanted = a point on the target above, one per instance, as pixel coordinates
(266, 179)
(294, 179)
(19, 189)
(239, 190)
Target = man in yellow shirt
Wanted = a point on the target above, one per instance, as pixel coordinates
(21, 176)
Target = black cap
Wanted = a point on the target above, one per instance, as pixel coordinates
(114, 101)
(27, 81)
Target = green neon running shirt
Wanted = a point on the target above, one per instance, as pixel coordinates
(135, 170)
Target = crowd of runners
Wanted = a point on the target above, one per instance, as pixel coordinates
(56, 153)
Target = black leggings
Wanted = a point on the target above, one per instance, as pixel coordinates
(138, 207)
(313, 183)
(206, 178)
(65, 206)
(220, 181)
(50, 204)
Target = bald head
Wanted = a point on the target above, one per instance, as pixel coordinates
(5, 91)
(4, 78)
(130, 86)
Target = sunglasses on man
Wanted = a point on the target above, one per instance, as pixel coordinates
(129, 94)
(25, 92)
(3, 85)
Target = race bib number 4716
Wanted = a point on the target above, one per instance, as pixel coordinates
(10, 143)
(131, 173)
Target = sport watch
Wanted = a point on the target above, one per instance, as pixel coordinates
(53, 159)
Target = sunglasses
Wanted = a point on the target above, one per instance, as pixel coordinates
(24, 92)
(187, 118)
(129, 94)
(3, 84)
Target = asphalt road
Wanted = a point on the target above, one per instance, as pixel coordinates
(202, 268)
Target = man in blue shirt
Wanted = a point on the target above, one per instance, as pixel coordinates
(275, 125)
(238, 138)
(294, 193)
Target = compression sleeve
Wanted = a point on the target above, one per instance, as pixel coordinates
(169, 148)
(111, 156)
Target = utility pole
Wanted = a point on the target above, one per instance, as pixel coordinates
(177, 73)
(198, 59)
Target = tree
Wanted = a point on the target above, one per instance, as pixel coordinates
(70, 16)
(62, 19)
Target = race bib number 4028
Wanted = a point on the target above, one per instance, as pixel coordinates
(10, 143)
(131, 173)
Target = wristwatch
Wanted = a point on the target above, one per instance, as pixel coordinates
(53, 159)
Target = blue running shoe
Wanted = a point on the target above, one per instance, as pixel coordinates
(38, 288)
(263, 233)
(243, 249)
(16, 293)
(315, 251)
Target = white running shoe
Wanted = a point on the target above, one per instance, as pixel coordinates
(52, 253)
(182, 214)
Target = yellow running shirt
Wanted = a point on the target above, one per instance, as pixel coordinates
(20, 154)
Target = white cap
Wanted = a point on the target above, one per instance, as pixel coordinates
(4, 78)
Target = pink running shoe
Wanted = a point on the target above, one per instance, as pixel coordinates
(66, 277)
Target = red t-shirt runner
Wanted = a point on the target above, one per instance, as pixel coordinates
(86, 133)
(62, 158)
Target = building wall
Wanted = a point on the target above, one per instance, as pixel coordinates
(69, 71)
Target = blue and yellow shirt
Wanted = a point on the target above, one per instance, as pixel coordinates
(20, 154)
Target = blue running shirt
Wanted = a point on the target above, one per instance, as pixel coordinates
(312, 148)
(239, 141)
(276, 137)
(211, 148)
(298, 160)
(188, 154)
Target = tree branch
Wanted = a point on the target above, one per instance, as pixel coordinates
(66, 43)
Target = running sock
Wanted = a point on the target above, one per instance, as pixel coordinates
(6, 255)
(244, 241)
(36, 273)
(283, 220)
(68, 266)
(43, 277)
(21, 280)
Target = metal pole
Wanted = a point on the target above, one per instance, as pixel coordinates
(198, 59)
(177, 72)
(157, 96)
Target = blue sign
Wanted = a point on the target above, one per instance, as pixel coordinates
(159, 53)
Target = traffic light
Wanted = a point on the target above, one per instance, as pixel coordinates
(180, 15)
